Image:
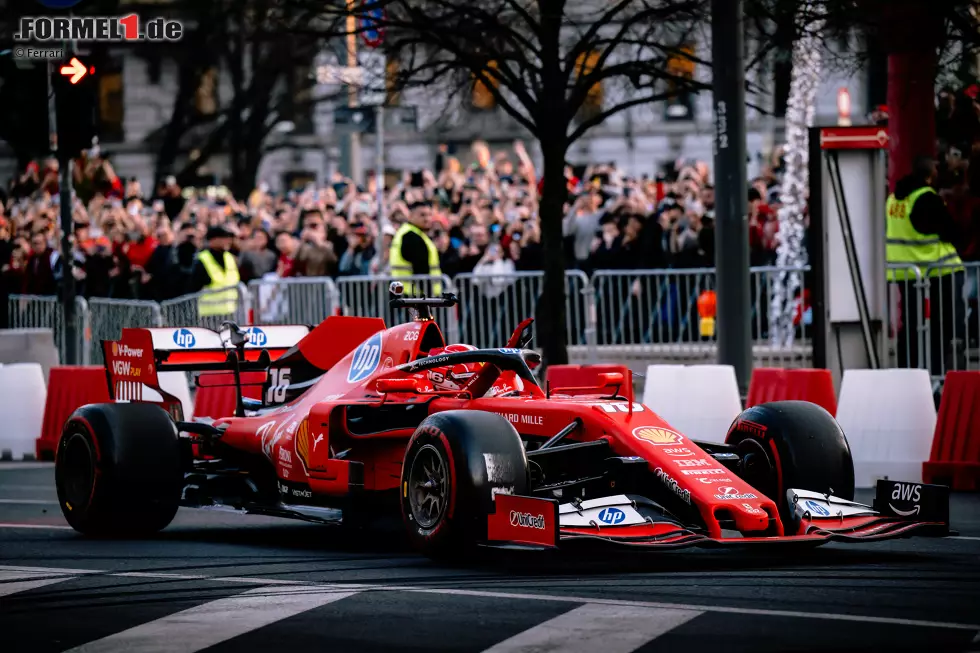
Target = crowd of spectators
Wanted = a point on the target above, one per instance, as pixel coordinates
(132, 244)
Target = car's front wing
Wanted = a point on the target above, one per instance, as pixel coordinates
(900, 510)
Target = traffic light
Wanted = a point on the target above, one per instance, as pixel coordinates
(76, 106)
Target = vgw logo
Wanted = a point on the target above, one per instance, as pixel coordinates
(256, 336)
(184, 338)
(365, 359)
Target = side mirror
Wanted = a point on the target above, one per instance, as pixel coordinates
(610, 378)
(398, 385)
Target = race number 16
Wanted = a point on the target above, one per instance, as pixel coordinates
(278, 382)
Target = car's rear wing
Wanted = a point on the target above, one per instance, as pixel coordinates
(134, 361)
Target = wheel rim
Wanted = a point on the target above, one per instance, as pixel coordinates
(77, 470)
(428, 481)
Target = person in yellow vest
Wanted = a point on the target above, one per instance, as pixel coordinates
(414, 254)
(921, 232)
(216, 271)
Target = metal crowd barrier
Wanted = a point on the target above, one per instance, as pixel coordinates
(368, 297)
(645, 316)
(492, 305)
(208, 308)
(108, 317)
(293, 301)
(952, 333)
(46, 312)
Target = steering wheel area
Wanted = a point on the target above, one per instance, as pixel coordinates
(495, 361)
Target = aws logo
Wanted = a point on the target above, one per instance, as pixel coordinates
(58, 4)
(656, 435)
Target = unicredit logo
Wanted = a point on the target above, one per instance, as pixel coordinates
(526, 520)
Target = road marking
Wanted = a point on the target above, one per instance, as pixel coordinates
(22, 579)
(595, 627)
(554, 598)
(54, 527)
(963, 537)
(13, 467)
(30, 502)
(5, 486)
(206, 625)
(223, 579)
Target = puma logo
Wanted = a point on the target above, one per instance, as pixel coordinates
(317, 441)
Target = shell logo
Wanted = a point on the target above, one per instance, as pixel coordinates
(656, 435)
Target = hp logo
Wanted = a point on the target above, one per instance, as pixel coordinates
(256, 336)
(611, 516)
(184, 338)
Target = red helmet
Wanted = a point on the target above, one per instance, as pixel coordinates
(452, 377)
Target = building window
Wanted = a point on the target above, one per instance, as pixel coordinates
(680, 101)
(300, 108)
(482, 97)
(393, 96)
(592, 105)
(206, 95)
(111, 104)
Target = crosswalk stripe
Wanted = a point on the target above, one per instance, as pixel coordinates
(22, 579)
(594, 627)
(217, 621)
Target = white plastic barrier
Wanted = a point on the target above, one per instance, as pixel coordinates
(889, 418)
(175, 383)
(22, 398)
(699, 401)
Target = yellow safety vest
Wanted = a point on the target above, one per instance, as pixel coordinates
(224, 279)
(907, 246)
(402, 268)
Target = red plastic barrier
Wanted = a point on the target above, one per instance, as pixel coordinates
(776, 384)
(220, 401)
(579, 376)
(69, 387)
(955, 457)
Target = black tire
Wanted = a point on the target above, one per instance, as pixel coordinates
(118, 470)
(792, 444)
(449, 517)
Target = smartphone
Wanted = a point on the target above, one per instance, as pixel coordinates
(418, 180)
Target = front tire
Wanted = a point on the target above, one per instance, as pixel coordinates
(118, 470)
(455, 463)
(792, 444)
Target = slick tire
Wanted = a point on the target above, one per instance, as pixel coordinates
(453, 464)
(792, 444)
(118, 470)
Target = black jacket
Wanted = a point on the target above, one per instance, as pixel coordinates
(929, 214)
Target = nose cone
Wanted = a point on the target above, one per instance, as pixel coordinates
(750, 517)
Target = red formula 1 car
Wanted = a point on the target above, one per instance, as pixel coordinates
(356, 419)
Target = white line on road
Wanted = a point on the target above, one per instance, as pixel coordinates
(54, 527)
(13, 467)
(558, 598)
(963, 537)
(594, 627)
(22, 579)
(30, 502)
(206, 625)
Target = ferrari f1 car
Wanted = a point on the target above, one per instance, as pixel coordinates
(356, 419)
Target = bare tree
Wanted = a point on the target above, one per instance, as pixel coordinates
(541, 60)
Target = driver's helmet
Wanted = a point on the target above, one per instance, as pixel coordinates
(452, 377)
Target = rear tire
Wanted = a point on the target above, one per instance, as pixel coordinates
(792, 444)
(454, 465)
(118, 470)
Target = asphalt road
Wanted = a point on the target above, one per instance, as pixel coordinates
(223, 582)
